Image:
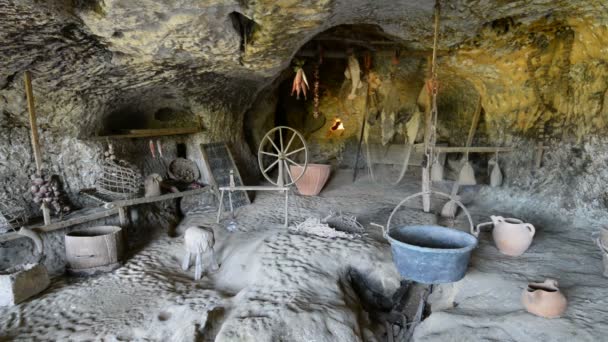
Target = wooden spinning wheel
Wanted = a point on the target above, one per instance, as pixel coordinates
(282, 147)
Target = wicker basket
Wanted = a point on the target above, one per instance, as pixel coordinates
(183, 170)
(119, 180)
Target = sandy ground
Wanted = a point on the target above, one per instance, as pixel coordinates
(486, 304)
(276, 285)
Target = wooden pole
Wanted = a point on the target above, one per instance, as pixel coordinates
(46, 214)
(367, 66)
(361, 133)
(474, 125)
(33, 126)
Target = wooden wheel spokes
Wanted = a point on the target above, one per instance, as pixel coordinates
(283, 154)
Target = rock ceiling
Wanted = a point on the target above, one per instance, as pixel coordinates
(87, 55)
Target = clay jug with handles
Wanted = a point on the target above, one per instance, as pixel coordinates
(512, 236)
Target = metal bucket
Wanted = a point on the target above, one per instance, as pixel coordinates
(431, 254)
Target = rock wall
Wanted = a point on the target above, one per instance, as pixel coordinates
(539, 67)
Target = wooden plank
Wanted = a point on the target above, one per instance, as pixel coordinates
(143, 200)
(393, 154)
(112, 208)
(475, 149)
(382, 51)
(151, 133)
(254, 188)
(78, 219)
(178, 130)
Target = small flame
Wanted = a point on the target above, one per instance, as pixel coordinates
(337, 125)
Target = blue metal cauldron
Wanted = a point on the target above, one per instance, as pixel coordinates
(431, 254)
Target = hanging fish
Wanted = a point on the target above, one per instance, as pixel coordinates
(353, 73)
(151, 145)
(160, 148)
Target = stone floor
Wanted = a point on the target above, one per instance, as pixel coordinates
(274, 284)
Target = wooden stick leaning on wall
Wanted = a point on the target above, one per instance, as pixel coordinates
(365, 113)
(449, 209)
(34, 137)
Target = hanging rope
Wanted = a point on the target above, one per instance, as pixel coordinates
(431, 128)
(430, 148)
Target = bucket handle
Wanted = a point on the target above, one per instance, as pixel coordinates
(474, 231)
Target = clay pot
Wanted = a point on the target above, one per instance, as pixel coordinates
(496, 177)
(512, 236)
(544, 299)
(313, 180)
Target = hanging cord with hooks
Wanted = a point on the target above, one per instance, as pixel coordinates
(434, 89)
(431, 140)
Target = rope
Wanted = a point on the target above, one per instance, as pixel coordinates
(434, 89)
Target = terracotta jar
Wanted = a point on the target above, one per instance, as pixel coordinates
(313, 180)
(544, 299)
(512, 236)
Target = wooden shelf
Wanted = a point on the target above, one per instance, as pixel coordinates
(109, 209)
(155, 132)
(74, 218)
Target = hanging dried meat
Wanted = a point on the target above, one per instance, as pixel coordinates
(300, 83)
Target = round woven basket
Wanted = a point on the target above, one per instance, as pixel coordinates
(183, 170)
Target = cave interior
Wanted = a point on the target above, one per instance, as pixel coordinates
(294, 171)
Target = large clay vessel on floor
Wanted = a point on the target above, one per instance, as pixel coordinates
(544, 299)
(313, 180)
(512, 236)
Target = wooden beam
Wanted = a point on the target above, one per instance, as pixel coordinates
(143, 133)
(112, 208)
(143, 200)
(254, 188)
(378, 53)
(474, 149)
(77, 219)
